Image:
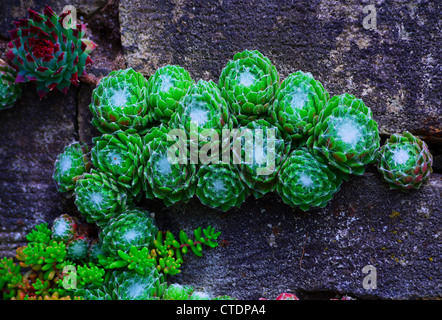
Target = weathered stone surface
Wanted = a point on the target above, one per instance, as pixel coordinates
(268, 248)
(33, 133)
(393, 68)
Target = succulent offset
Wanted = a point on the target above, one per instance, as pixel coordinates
(405, 161)
(64, 228)
(260, 158)
(249, 83)
(119, 102)
(70, 165)
(9, 90)
(345, 135)
(305, 182)
(133, 227)
(165, 89)
(99, 197)
(297, 105)
(49, 50)
(166, 178)
(219, 186)
(120, 156)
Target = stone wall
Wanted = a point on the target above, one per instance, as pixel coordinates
(267, 247)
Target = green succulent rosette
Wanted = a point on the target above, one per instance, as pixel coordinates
(119, 102)
(297, 105)
(306, 182)
(345, 135)
(171, 179)
(99, 197)
(64, 228)
(166, 87)
(249, 83)
(9, 90)
(259, 156)
(220, 187)
(77, 248)
(405, 161)
(132, 228)
(202, 113)
(120, 156)
(49, 50)
(70, 165)
(129, 285)
(177, 292)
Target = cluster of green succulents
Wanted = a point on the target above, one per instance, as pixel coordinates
(162, 137)
(129, 260)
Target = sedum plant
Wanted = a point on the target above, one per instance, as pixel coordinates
(405, 161)
(99, 197)
(248, 83)
(70, 165)
(49, 50)
(119, 102)
(120, 156)
(164, 179)
(9, 90)
(305, 182)
(219, 186)
(297, 105)
(345, 135)
(166, 87)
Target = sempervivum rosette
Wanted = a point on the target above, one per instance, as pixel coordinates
(345, 136)
(119, 102)
(9, 90)
(405, 161)
(166, 87)
(297, 104)
(130, 285)
(133, 227)
(168, 175)
(219, 186)
(70, 165)
(64, 228)
(49, 51)
(99, 197)
(249, 83)
(120, 156)
(262, 157)
(305, 182)
(204, 111)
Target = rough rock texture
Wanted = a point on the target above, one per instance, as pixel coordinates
(393, 68)
(266, 246)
